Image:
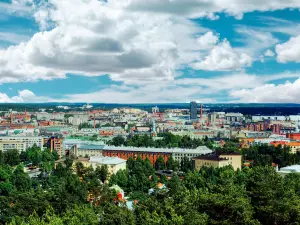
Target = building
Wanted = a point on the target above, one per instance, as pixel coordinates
(193, 110)
(234, 159)
(289, 169)
(56, 144)
(293, 136)
(153, 153)
(212, 118)
(12, 144)
(209, 161)
(262, 118)
(294, 146)
(82, 150)
(234, 117)
(155, 109)
(28, 141)
(114, 164)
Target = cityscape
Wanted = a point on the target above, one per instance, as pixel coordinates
(182, 112)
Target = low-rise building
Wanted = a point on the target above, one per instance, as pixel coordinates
(216, 161)
(114, 164)
(153, 153)
(289, 169)
(28, 141)
(12, 144)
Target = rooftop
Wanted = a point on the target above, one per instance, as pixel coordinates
(290, 169)
(210, 158)
(106, 160)
(200, 149)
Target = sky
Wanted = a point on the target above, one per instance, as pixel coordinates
(158, 51)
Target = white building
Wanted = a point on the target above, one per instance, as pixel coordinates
(114, 164)
(50, 116)
(262, 118)
(289, 169)
(176, 153)
(234, 117)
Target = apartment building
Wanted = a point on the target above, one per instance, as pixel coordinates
(28, 141)
(12, 144)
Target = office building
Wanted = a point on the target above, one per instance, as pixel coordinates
(193, 110)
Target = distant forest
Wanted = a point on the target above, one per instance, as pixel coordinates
(247, 109)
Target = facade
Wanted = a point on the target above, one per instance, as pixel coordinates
(212, 118)
(114, 164)
(234, 117)
(28, 141)
(12, 144)
(209, 161)
(193, 110)
(234, 159)
(262, 118)
(293, 136)
(87, 150)
(294, 146)
(195, 134)
(56, 144)
(153, 153)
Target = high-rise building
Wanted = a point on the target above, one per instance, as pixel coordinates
(212, 117)
(193, 110)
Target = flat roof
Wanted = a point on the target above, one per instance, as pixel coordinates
(199, 150)
(92, 147)
(106, 160)
(290, 169)
(211, 158)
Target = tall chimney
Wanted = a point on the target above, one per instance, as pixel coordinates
(11, 119)
(201, 111)
(94, 120)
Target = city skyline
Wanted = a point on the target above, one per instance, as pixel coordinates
(149, 52)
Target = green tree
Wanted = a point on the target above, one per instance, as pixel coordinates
(80, 170)
(186, 164)
(160, 163)
(172, 164)
(102, 172)
(20, 179)
(12, 157)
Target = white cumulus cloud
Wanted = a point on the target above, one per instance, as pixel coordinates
(269, 53)
(289, 51)
(23, 96)
(223, 58)
(288, 92)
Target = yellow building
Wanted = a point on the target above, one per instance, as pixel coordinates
(12, 144)
(234, 159)
(217, 161)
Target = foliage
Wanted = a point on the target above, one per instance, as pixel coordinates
(256, 195)
(168, 140)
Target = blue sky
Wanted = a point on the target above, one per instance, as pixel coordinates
(142, 51)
